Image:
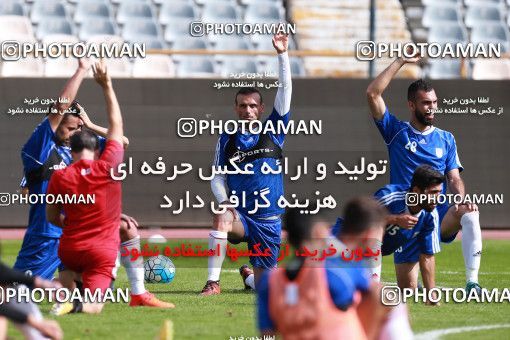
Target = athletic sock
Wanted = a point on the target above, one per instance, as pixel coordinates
(471, 244)
(214, 263)
(134, 269)
(397, 324)
(250, 281)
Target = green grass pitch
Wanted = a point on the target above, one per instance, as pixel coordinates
(232, 313)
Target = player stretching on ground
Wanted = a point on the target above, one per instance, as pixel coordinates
(264, 226)
(417, 142)
(90, 238)
(410, 229)
(47, 150)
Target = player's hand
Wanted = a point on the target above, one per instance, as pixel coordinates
(281, 42)
(413, 59)
(49, 328)
(406, 221)
(84, 117)
(101, 75)
(84, 64)
(42, 283)
(231, 209)
(131, 222)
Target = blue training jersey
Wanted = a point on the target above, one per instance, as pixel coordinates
(409, 148)
(41, 155)
(392, 196)
(258, 182)
(343, 279)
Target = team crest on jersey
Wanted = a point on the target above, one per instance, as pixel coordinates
(60, 166)
(85, 172)
(439, 152)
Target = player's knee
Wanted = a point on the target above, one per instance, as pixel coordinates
(127, 232)
(223, 222)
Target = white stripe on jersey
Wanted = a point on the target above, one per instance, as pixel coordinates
(217, 153)
(385, 200)
(436, 246)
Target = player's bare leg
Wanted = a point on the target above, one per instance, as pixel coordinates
(130, 240)
(224, 225)
(407, 274)
(467, 219)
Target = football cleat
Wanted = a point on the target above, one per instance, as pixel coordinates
(211, 288)
(245, 271)
(148, 300)
(59, 309)
(473, 286)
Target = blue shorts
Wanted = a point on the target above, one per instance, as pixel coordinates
(39, 255)
(265, 232)
(409, 252)
(442, 209)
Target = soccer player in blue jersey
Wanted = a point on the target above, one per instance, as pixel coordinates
(417, 142)
(263, 226)
(334, 299)
(410, 229)
(47, 150)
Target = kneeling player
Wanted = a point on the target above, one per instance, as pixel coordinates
(90, 239)
(412, 231)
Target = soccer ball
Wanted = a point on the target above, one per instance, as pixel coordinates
(159, 269)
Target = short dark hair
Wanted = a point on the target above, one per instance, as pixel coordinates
(72, 110)
(84, 140)
(248, 90)
(425, 176)
(418, 85)
(361, 214)
(299, 225)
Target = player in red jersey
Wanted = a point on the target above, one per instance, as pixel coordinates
(90, 239)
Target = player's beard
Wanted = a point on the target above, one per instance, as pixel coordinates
(422, 118)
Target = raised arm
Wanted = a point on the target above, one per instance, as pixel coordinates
(115, 125)
(69, 93)
(380, 83)
(284, 93)
(99, 130)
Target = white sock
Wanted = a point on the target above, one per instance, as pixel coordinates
(397, 325)
(374, 264)
(250, 281)
(375, 272)
(215, 262)
(134, 269)
(471, 244)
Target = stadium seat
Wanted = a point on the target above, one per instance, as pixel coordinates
(441, 2)
(484, 2)
(95, 26)
(185, 43)
(236, 65)
(91, 9)
(448, 33)
(59, 38)
(152, 43)
(267, 12)
(178, 10)
(176, 29)
(231, 43)
(12, 7)
(154, 66)
(140, 30)
(491, 69)
(118, 2)
(61, 67)
(246, 3)
(220, 13)
(119, 67)
(54, 26)
(43, 9)
(15, 25)
(196, 67)
(481, 15)
(444, 69)
(221, 2)
(26, 67)
(162, 2)
(491, 33)
(438, 15)
(128, 10)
